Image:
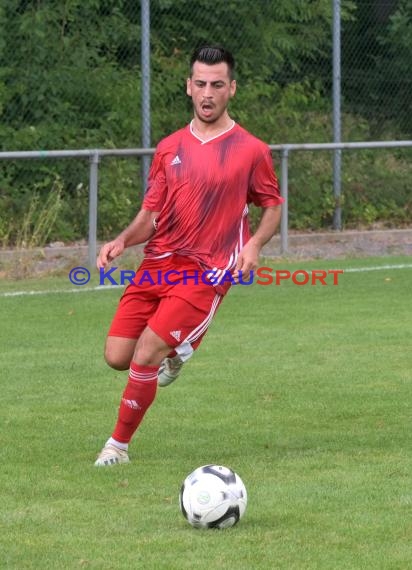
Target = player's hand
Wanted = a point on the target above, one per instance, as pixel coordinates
(246, 262)
(109, 251)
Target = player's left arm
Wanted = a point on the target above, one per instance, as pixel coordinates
(249, 255)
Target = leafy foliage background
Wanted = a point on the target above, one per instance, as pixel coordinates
(70, 78)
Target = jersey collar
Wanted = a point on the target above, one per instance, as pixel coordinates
(213, 138)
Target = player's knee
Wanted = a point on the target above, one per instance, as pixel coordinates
(116, 361)
(118, 352)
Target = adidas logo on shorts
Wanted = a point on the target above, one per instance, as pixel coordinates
(176, 334)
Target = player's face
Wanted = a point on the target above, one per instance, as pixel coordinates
(210, 88)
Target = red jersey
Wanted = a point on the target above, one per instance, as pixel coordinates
(202, 189)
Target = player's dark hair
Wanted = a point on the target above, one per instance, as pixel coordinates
(212, 54)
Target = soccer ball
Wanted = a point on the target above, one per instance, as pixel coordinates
(213, 496)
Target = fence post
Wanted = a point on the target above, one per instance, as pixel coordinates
(145, 63)
(284, 192)
(93, 185)
(337, 153)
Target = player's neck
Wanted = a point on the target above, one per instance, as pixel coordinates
(208, 131)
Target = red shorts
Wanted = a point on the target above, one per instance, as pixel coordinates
(170, 297)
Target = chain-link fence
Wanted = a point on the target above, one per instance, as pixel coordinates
(376, 69)
(71, 77)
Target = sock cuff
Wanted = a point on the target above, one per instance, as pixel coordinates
(118, 444)
(139, 373)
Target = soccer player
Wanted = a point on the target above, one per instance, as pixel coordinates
(194, 220)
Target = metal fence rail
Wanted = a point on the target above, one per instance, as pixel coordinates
(95, 155)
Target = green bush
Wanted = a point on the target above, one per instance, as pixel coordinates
(70, 79)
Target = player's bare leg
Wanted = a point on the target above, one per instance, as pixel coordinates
(119, 351)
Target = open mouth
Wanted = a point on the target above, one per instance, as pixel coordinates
(207, 108)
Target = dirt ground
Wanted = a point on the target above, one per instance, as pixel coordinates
(57, 258)
(336, 245)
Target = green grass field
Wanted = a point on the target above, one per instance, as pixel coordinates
(304, 391)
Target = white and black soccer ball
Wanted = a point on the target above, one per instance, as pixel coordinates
(213, 496)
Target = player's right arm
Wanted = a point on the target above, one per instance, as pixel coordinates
(139, 231)
(144, 225)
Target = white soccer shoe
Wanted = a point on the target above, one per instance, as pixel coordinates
(111, 455)
(169, 370)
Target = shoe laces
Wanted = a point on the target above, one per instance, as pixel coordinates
(110, 450)
(173, 364)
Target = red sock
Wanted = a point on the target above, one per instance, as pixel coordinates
(137, 397)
